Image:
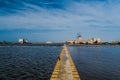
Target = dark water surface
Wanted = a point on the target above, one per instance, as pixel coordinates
(27, 62)
(36, 62)
(97, 62)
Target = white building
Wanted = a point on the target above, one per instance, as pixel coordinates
(95, 40)
(79, 37)
(71, 41)
(21, 40)
(81, 41)
(48, 42)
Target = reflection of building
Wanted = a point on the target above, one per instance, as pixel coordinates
(81, 41)
(22, 41)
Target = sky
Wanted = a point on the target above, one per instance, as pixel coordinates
(59, 20)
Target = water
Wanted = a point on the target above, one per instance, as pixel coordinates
(36, 62)
(97, 62)
(33, 62)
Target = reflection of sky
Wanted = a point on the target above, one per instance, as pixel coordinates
(59, 20)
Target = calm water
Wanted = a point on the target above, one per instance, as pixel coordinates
(36, 62)
(27, 62)
(97, 62)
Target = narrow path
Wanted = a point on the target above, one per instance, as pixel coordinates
(65, 68)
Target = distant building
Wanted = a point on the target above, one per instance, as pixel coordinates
(48, 42)
(81, 41)
(21, 40)
(95, 40)
(79, 37)
(71, 41)
(26, 41)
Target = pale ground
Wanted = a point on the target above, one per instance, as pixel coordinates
(65, 68)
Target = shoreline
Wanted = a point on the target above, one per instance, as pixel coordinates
(13, 43)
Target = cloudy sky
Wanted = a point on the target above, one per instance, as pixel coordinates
(59, 20)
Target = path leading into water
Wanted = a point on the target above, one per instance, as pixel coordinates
(65, 68)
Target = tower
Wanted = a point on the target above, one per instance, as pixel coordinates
(79, 37)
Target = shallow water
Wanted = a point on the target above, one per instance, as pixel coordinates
(27, 62)
(97, 62)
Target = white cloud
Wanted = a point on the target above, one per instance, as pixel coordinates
(84, 17)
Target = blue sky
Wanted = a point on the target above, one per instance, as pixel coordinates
(59, 20)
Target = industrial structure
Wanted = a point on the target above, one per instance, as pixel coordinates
(81, 41)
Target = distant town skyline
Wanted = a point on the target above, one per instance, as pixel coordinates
(59, 20)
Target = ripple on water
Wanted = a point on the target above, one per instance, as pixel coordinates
(27, 63)
(97, 63)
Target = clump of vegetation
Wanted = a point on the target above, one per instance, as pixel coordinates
(116, 42)
(3, 42)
